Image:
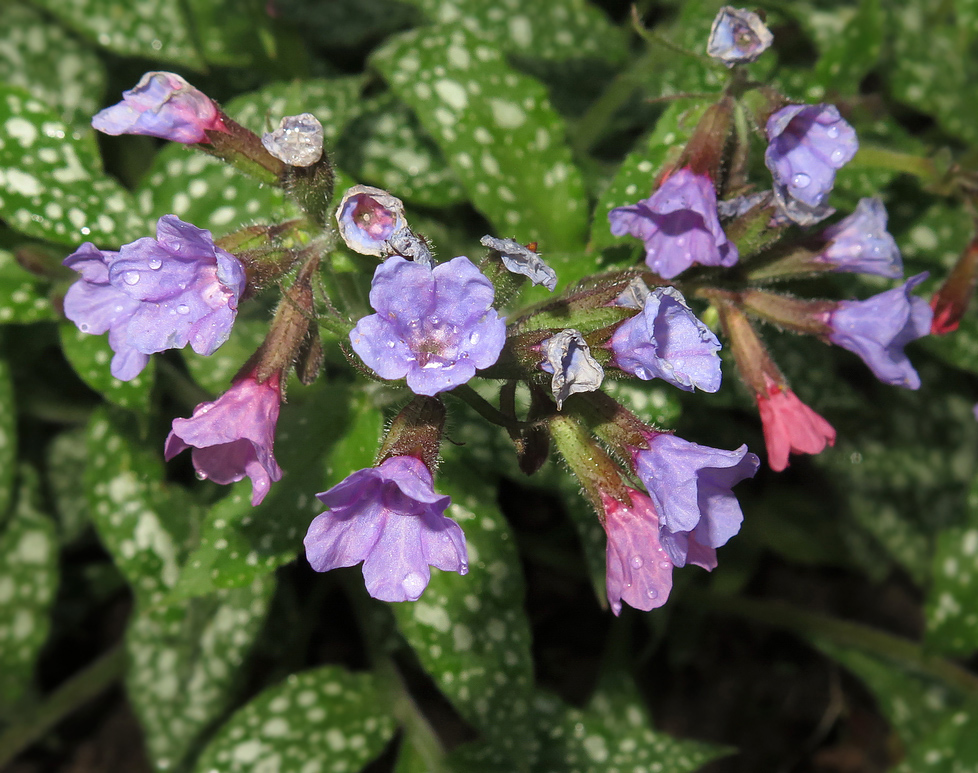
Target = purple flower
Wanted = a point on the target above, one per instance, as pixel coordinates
(690, 486)
(638, 570)
(665, 340)
(156, 294)
(367, 218)
(233, 436)
(434, 326)
(390, 518)
(679, 225)
(808, 143)
(162, 105)
(878, 328)
(861, 243)
(738, 36)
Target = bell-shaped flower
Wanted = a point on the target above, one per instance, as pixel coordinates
(233, 436)
(690, 486)
(435, 327)
(390, 518)
(156, 294)
(738, 36)
(861, 243)
(878, 328)
(807, 145)
(162, 105)
(666, 340)
(367, 218)
(638, 569)
(678, 224)
(790, 426)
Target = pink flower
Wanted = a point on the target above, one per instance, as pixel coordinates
(790, 426)
(162, 105)
(233, 436)
(638, 568)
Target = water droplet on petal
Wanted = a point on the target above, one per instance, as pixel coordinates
(801, 180)
(391, 344)
(131, 277)
(837, 156)
(637, 562)
(665, 564)
(474, 338)
(653, 594)
(83, 327)
(183, 309)
(155, 264)
(413, 584)
(201, 475)
(833, 132)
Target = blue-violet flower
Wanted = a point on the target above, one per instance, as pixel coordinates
(156, 294)
(878, 328)
(162, 105)
(666, 340)
(690, 486)
(678, 224)
(435, 327)
(233, 436)
(861, 243)
(390, 518)
(367, 218)
(808, 143)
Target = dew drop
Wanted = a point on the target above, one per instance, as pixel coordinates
(201, 475)
(413, 584)
(665, 564)
(637, 562)
(131, 277)
(155, 264)
(83, 327)
(833, 132)
(183, 309)
(391, 344)
(837, 156)
(653, 594)
(801, 180)
(474, 338)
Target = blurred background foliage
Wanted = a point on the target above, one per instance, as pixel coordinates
(149, 621)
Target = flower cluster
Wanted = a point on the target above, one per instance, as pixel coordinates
(433, 326)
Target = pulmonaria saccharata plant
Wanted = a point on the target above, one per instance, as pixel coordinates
(710, 234)
(433, 327)
(390, 518)
(156, 294)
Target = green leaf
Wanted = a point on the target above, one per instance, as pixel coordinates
(204, 191)
(636, 176)
(952, 748)
(931, 66)
(214, 372)
(849, 39)
(154, 29)
(613, 733)
(144, 533)
(28, 580)
(72, 81)
(387, 147)
(90, 356)
(952, 602)
(498, 131)
(470, 633)
(321, 721)
(23, 296)
(67, 458)
(240, 542)
(546, 29)
(51, 184)
(185, 665)
(228, 30)
(8, 439)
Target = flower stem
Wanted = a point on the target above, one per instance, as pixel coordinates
(68, 698)
(873, 156)
(485, 409)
